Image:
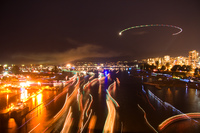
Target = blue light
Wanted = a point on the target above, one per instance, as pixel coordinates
(105, 73)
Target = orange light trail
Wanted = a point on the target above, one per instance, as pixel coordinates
(34, 128)
(92, 123)
(68, 122)
(87, 121)
(89, 105)
(118, 82)
(110, 120)
(82, 116)
(175, 118)
(70, 99)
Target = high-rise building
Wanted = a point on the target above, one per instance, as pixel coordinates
(193, 58)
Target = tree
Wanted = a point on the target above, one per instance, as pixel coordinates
(142, 66)
(188, 68)
(55, 69)
(196, 71)
(15, 69)
(1, 69)
(175, 68)
(157, 63)
(152, 67)
(163, 68)
(167, 65)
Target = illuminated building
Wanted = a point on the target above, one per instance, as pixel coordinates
(166, 58)
(193, 58)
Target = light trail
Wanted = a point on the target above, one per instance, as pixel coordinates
(88, 84)
(62, 107)
(68, 122)
(92, 76)
(118, 82)
(70, 99)
(86, 121)
(147, 97)
(157, 99)
(89, 105)
(113, 100)
(153, 25)
(110, 120)
(55, 98)
(92, 123)
(179, 117)
(113, 85)
(34, 128)
(170, 120)
(145, 117)
(80, 125)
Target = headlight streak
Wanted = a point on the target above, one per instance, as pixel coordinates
(91, 77)
(34, 128)
(111, 104)
(118, 82)
(113, 100)
(55, 98)
(88, 84)
(60, 113)
(68, 122)
(41, 109)
(92, 123)
(99, 91)
(179, 117)
(147, 120)
(108, 76)
(110, 120)
(62, 107)
(79, 100)
(153, 25)
(80, 125)
(86, 121)
(89, 105)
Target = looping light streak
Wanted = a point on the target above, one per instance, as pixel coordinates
(153, 25)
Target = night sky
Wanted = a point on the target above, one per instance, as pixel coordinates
(35, 31)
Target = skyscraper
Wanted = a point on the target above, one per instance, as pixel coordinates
(193, 58)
